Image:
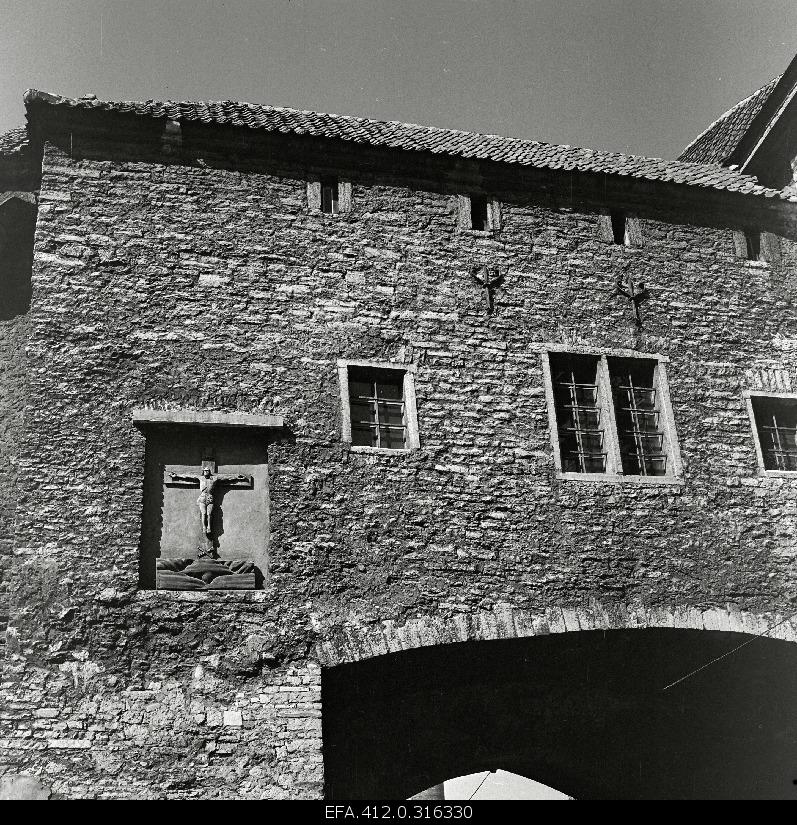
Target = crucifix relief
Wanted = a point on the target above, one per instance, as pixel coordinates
(207, 479)
(205, 520)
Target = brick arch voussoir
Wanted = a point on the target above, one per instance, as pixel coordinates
(355, 642)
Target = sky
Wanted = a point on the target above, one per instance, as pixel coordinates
(498, 784)
(636, 76)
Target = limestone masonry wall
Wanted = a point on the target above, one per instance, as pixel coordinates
(206, 283)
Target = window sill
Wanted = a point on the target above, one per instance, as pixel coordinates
(479, 233)
(359, 448)
(608, 478)
(755, 264)
(777, 474)
(149, 596)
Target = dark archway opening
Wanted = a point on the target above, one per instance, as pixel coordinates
(584, 712)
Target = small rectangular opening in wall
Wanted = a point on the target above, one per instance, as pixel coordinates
(619, 228)
(753, 245)
(329, 196)
(776, 425)
(478, 213)
(638, 413)
(376, 403)
(579, 418)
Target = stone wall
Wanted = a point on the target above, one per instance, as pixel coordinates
(204, 281)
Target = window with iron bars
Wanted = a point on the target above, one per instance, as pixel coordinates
(611, 417)
(638, 415)
(376, 404)
(578, 414)
(775, 420)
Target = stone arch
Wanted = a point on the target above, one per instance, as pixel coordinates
(623, 714)
(354, 642)
(23, 197)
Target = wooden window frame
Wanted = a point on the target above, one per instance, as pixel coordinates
(748, 396)
(315, 182)
(614, 465)
(412, 439)
(769, 251)
(464, 213)
(632, 238)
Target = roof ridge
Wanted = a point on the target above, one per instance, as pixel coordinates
(48, 97)
(397, 135)
(771, 82)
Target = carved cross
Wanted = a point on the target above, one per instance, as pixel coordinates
(206, 479)
(489, 280)
(636, 296)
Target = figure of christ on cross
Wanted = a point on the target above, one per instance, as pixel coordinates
(207, 480)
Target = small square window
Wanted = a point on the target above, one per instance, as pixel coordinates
(752, 245)
(619, 228)
(775, 428)
(329, 196)
(752, 241)
(478, 213)
(610, 417)
(378, 406)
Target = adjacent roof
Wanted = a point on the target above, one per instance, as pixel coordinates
(716, 144)
(13, 142)
(411, 137)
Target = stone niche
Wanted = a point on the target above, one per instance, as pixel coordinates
(205, 521)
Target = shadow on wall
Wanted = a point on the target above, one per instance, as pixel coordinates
(584, 712)
(17, 227)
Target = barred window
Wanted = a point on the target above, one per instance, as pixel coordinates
(379, 406)
(611, 417)
(376, 401)
(775, 421)
(578, 414)
(638, 415)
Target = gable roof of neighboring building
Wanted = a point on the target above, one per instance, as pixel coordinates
(412, 137)
(13, 141)
(717, 143)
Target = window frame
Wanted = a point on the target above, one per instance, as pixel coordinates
(769, 247)
(614, 465)
(315, 181)
(465, 212)
(748, 396)
(632, 237)
(412, 439)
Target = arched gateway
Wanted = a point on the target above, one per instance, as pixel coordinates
(594, 714)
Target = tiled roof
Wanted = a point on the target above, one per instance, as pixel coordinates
(13, 141)
(411, 137)
(717, 143)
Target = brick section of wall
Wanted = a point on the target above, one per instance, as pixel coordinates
(202, 286)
